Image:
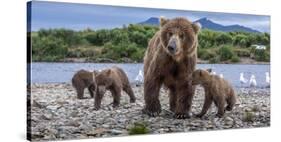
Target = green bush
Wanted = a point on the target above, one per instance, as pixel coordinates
(214, 60)
(205, 54)
(131, 42)
(138, 128)
(235, 59)
(248, 116)
(225, 53)
(44, 48)
(262, 55)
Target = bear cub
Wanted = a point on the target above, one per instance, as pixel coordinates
(217, 90)
(115, 80)
(84, 79)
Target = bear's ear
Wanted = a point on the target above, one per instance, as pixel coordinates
(163, 21)
(196, 27)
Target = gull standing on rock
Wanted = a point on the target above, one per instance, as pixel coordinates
(139, 78)
(213, 73)
(253, 82)
(221, 75)
(242, 79)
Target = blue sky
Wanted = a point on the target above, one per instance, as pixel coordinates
(82, 16)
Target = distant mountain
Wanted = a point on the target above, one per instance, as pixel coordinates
(151, 21)
(207, 24)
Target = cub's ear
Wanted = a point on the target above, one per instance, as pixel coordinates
(108, 72)
(196, 27)
(209, 70)
(163, 21)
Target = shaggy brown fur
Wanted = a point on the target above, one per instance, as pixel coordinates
(217, 90)
(81, 80)
(115, 80)
(170, 59)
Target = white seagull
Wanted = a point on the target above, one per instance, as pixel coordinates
(267, 79)
(221, 75)
(139, 78)
(242, 79)
(253, 82)
(213, 73)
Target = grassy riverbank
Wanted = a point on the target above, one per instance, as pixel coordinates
(128, 44)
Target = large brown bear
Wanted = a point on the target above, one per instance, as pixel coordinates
(115, 80)
(170, 59)
(217, 90)
(84, 79)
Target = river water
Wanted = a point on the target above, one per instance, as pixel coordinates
(63, 72)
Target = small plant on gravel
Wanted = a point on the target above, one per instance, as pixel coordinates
(255, 108)
(248, 116)
(138, 128)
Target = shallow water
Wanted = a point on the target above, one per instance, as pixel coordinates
(63, 72)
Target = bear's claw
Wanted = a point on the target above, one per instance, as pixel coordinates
(152, 114)
(181, 116)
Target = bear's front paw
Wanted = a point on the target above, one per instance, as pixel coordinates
(228, 108)
(182, 115)
(219, 115)
(132, 100)
(199, 115)
(153, 111)
(96, 108)
(115, 105)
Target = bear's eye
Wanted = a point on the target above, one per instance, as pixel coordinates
(181, 36)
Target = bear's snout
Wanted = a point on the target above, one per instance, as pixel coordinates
(172, 47)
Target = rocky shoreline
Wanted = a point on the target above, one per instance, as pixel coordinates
(57, 114)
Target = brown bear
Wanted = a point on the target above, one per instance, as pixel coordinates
(84, 79)
(115, 80)
(217, 90)
(170, 60)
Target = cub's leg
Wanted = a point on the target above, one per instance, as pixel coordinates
(91, 89)
(231, 100)
(98, 99)
(116, 94)
(80, 92)
(220, 103)
(207, 103)
(129, 91)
